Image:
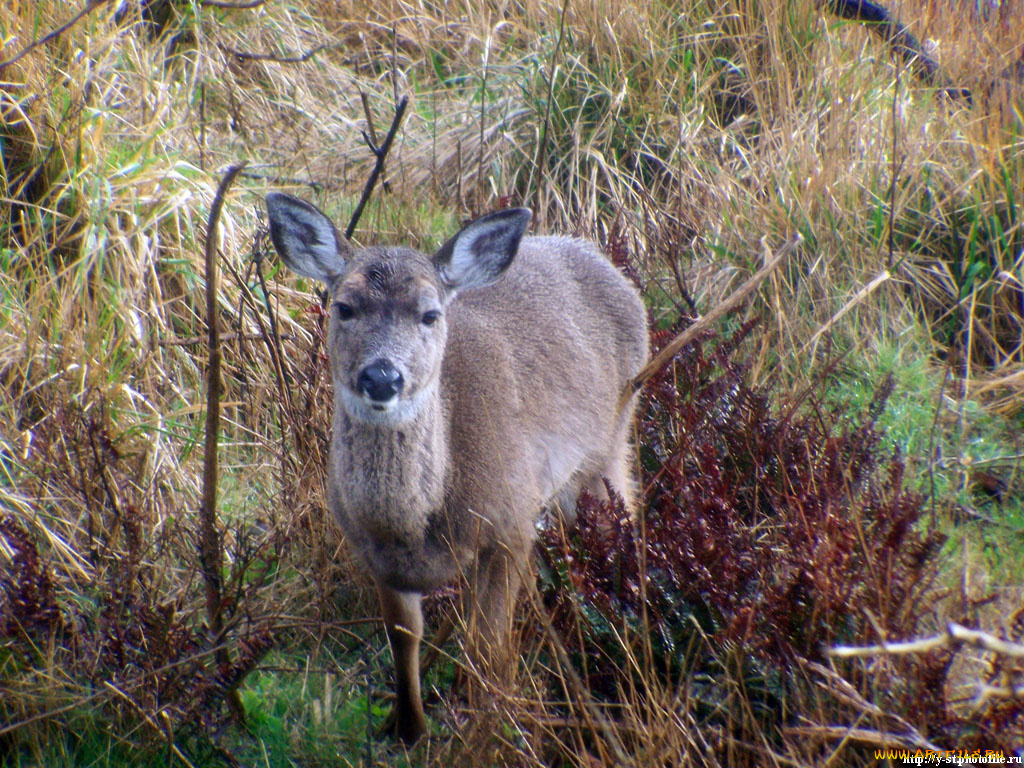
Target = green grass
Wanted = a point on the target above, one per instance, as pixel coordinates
(305, 707)
(299, 717)
(87, 743)
(924, 417)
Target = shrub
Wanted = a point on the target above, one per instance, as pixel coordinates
(772, 529)
(108, 635)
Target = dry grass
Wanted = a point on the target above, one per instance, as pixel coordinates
(686, 135)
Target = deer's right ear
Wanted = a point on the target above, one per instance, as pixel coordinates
(305, 238)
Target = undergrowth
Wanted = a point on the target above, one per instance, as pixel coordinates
(782, 528)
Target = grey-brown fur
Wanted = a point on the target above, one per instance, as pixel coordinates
(507, 404)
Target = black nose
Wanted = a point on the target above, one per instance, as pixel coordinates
(380, 381)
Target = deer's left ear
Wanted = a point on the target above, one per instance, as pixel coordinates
(482, 250)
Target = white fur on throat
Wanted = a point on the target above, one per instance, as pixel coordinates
(391, 413)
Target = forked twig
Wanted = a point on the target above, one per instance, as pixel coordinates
(372, 130)
(892, 729)
(954, 636)
(381, 153)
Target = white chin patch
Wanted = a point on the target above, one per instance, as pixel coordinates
(398, 410)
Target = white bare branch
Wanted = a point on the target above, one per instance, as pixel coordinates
(955, 635)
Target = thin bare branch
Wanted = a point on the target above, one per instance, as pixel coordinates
(861, 736)
(292, 180)
(381, 152)
(986, 692)
(858, 298)
(685, 337)
(245, 4)
(194, 340)
(372, 130)
(955, 635)
(245, 55)
(210, 553)
(90, 6)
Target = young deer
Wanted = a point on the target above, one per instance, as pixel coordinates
(471, 389)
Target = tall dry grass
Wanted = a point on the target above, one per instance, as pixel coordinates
(687, 135)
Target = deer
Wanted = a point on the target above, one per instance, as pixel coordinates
(475, 390)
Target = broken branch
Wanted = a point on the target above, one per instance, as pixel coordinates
(685, 337)
(381, 152)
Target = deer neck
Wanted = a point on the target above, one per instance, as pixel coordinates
(392, 477)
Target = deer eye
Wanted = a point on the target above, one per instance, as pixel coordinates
(430, 317)
(345, 311)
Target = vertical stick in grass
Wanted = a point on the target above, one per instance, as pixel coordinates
(210, 553)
